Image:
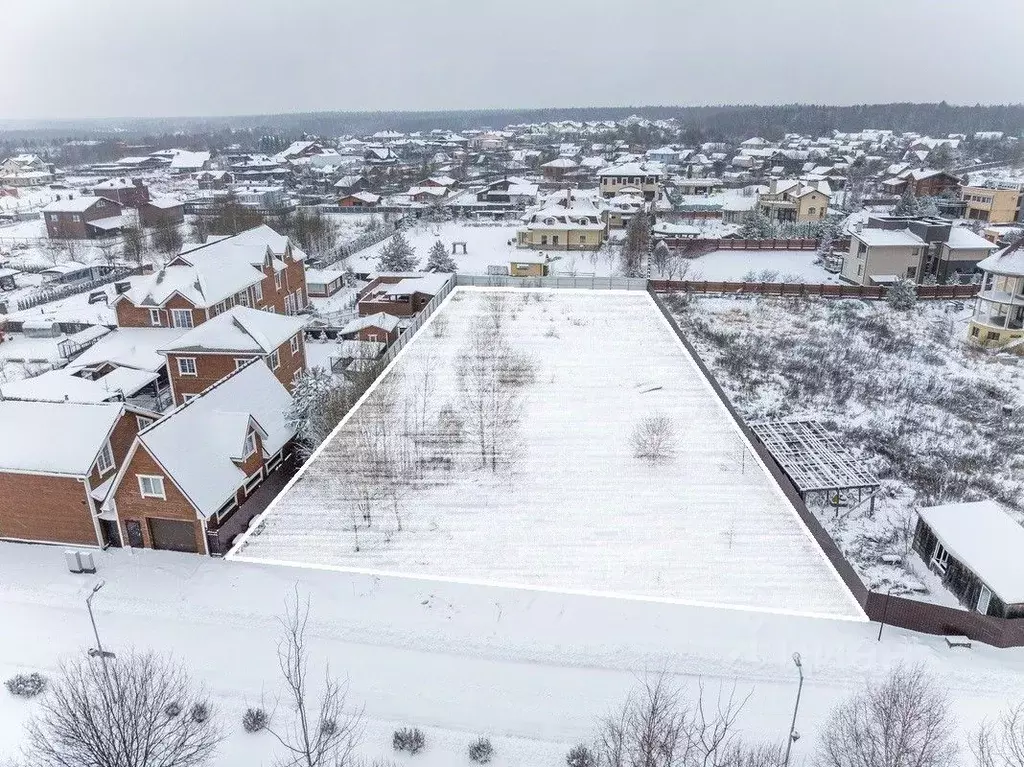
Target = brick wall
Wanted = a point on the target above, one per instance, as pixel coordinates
(132, 506)
(121, 439)
(210, 368)
(42, 508)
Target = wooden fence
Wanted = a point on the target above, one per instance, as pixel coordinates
(822, 290)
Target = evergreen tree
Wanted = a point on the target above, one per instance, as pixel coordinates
(397, 255)
(634, 247)
(438, 259)
(756, 226)
(927, 206)
(831, 230)
(902, 295)
(907, 205)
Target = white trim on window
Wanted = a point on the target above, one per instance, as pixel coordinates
(274, 360)
(151, 486)
(142, 421)
(187, 366)
(249, 448)
(154, 317)
(253, 481)
(105, 461)
(239, 361)
(257, 291)
(181, 318)
(295, 343)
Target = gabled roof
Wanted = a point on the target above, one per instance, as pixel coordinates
(240, 329)
(61, 386)
(983, 537)
(75, 204)
(196, 442)
(54, 437)
(382, 320)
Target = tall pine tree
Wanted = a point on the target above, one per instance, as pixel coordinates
(397, 255)
(907, 205)
(438, 259)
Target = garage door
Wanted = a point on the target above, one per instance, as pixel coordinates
(172, 535)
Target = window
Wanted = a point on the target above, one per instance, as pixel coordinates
(277, 280)
(811, 211)
(940, 558)
(154, 317)
(554, 239)
(860, 269)
(274, 360)
(543, 239)
(188, 397)
(253, 481)
(974, 332)
(861, 248)
(181, 318)
(295, 344)
(583, 238)
(257, 291)
(106, 460)
(250, 445)
(76, 218)
(991, 336)
(239, 361)
(227, 509)
(151, 487)
(911, 272)
(243, 299)
(187, 366)
(142, 421)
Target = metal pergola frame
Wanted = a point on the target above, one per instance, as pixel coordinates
(812, 457)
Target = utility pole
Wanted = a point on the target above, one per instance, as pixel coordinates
(794, 736)
(98, 650)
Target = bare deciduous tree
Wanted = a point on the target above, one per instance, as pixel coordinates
(119, 717)
(1001, 743)
(653, 439)
(321, 733)
(657, 727)
(903, 721)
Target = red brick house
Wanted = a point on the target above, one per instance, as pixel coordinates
(161, 210)
(401, 294)
(194, 479)
(213, 350)
(379, 327)
(129, 192)
(82, 218)
(57, 464)
(359, 200)
(258, 268)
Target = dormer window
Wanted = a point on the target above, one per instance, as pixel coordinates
(250, 445)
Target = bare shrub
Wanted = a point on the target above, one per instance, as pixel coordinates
(254, 719)
(904, 720)
(653, 439)
(116, 714)
(481, 751)
(409, 739)
(26, 685)
(1001, 743)
(581, 756)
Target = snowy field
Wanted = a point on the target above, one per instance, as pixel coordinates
(900, 387)
(565, 505)
(533, 671)
(486, 245)
(759, 266)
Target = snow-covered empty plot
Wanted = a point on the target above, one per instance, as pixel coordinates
(502, 447)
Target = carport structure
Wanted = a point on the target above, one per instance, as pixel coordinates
(814, 459)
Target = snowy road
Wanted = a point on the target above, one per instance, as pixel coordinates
(532, 670)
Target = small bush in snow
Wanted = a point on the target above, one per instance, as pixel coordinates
(26, 685)
(199, 712)
(172, 709)
(902, 295)
(409, 739)
(254, 719)
(481, 751)
(581, 756)
(653, 439)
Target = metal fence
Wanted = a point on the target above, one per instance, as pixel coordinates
(588, 283)
(56, 293)
(822, 290)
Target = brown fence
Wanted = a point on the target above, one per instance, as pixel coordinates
(872, 292)
(893, 610)
(727, 244)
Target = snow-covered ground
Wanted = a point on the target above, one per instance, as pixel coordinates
(486, 245)
(574, 509)
(533, 671)
(901, 387)
(758, 266)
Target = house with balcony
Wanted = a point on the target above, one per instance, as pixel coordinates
(995, 203)
(998, 318)
(794, 201)
(646, 176)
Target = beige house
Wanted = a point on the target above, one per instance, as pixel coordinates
(794, 201)
(995, 205)
(556, 227)
(999, 312)
(647, 177)
(879, 256)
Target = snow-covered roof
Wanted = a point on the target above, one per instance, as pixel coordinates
(1009, 260)
(239, 329)
(196, 443)
(633, 169)
(560, 162)
(118, 182)
(886, 238)
(110, 223)
(368, 197)
(129, 347)
(185, 160)
(74, 205)
(54, 437)
(667, 228)
(382, 320)
(165, 203)
(983, 537)
(58, 386)
(960, 237)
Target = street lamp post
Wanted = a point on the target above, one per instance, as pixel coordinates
(98, 650)
(793, 734)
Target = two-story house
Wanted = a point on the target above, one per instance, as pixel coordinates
(790, 200)
(647, 177)
(82, 218)
(998, 203)
(209, 352)
(400, 294)
(999, 312)
(922, 182)
(193, 479)
(258, 268)
(57, 464)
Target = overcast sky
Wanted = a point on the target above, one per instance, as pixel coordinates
(118, 58)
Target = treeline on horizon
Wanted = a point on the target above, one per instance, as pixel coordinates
(706, 122)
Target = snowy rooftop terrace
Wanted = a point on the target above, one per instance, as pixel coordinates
(574, 510)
